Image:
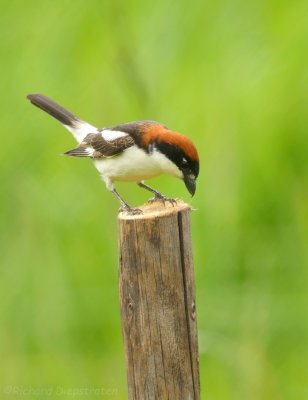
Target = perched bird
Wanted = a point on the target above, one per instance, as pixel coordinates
(132, 151)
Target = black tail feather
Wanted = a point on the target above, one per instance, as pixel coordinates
(54, 109)
(78, 152)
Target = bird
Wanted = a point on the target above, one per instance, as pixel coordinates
(132, 151)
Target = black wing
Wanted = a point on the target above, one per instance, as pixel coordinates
(95, 146)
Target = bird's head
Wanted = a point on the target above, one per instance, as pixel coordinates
(186, 163)
(181, 151)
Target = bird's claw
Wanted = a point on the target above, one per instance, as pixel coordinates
(135, 211)
(131, 211)
(162, 198)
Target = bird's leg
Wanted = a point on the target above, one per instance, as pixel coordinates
(124, 205)
(157, 195)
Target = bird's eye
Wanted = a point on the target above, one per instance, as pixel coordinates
(184, 161)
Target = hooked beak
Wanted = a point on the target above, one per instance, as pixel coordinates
(190, 182)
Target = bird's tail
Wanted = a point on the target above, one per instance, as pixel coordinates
(76, 126)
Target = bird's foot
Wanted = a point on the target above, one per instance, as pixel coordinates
(164, 199)
(131, 211)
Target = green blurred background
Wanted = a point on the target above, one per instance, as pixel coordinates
(231, 75)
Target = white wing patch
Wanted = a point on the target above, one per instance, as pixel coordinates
(109, 134)
(90, 151)
(81, 129)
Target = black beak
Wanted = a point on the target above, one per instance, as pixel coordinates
(190, 182)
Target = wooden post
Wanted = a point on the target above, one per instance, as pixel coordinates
(157, 299)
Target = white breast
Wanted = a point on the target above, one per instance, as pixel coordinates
(135, 164)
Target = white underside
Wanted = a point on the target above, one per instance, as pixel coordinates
(135, 164)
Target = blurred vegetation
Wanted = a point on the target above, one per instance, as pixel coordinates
(231, 75)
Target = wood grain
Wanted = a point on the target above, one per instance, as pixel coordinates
(157, 299)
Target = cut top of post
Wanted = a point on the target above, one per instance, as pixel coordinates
(156, 209)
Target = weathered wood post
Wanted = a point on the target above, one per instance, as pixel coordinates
(157, 299)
